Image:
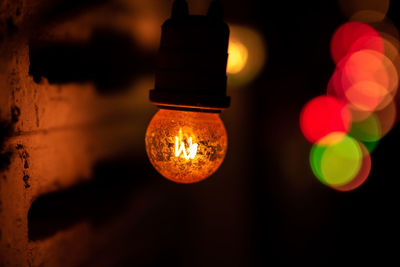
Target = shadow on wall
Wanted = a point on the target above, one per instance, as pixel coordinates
(5, 156)
(111, 59)
(97, 201)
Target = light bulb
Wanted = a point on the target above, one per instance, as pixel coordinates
(186, 146)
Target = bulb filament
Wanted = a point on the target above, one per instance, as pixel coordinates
(180, 147)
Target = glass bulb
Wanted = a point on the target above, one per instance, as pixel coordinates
(185, 146)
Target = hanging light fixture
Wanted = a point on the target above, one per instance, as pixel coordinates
(186, 140)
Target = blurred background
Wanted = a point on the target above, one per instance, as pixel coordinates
(77, 188)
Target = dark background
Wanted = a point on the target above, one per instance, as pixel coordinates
(317, 225)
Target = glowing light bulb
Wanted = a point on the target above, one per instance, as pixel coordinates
(185, 146)
(186, 141)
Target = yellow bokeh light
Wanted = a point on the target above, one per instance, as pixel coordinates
(237, 58)
(339, 163)
(247, 53)
(185, 146)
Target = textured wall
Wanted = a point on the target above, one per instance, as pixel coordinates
(76, 188)
(53, 136)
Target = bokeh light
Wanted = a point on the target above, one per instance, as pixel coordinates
(368, 130)
(373, 128)
(340, 165)
(368, 96)
(319, 149)
(247, 54)
(324, 115)
(364, 84)
(365, 10)
(363, 172)
(366, 80)
(371, 66)
(238, 55)
(341, 161)
(352, 37)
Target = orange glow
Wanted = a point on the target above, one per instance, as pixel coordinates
(392, 46)
(386, 118)
(366, 95)
(368, 16)
(147, 27)
(181, 149)
(367, 80)
(184, 146)
(365, 10)
(369, 65)
(238, 55)
(247, 54)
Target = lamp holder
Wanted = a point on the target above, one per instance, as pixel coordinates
(191, 64)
